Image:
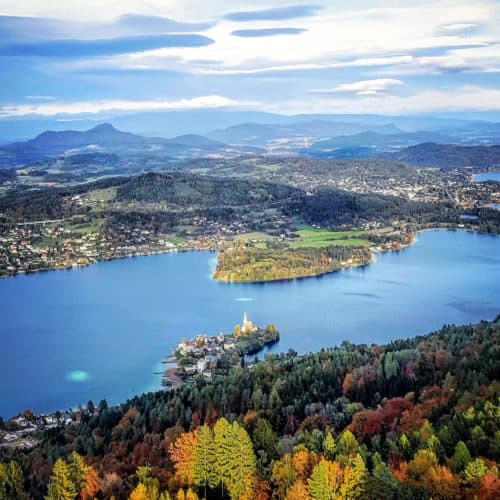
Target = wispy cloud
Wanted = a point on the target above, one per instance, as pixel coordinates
(40, 98)
(362, 88)
(86, 48)
(274, 14)
(18, 28)
(455, 27)
(95, 107)
(255, 33)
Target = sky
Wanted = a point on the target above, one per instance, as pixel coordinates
(74, 57)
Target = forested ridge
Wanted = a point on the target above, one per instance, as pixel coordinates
(415, 418)
(214, 195)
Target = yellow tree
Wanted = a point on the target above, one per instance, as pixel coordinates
(204, 473)
(60, 485)
(242, 462)
(318, 482)
(304, 462)
(354, 479)
(140, 492)
(78, 471)
(284, 474)
(222, 450)
(299, 490)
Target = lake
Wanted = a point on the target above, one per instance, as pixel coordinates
(101, 331)
(486, 176)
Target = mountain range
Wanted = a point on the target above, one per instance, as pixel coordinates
(128, 151)
(105, 138)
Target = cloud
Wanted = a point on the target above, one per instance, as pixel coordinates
(40, 98)
(85, 48)
(267, 32)
(361, 88)
(94, 107)
(274, 14)
(308, 66)
(18, 28)
(464, 98)
(456, 27)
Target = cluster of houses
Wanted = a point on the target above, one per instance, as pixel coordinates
(20, 431)
(201, 354)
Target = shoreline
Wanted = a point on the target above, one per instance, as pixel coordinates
(353, 266)
(216, 250)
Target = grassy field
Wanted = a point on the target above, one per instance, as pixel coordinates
(321, 238)
(84, 228)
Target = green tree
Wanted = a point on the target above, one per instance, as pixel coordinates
(353, 485)
(11, 481)
(242, 462)
(222, 446)
(474, 472)
(319, 486)
(461, 456)
(264, 438)
(284, 474)
(204, 468)
(384, 485)
(347, 446)
(77, 471)
(61, 487)
(329, 446)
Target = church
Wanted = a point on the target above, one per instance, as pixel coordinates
(247, 326)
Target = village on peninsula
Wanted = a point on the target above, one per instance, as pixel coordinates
(204, 355)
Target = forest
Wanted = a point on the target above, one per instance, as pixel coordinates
(218, 198)
(413, 419)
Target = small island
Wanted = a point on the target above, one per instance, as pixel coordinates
(203, 355)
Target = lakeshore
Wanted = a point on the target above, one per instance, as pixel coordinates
(112, 323)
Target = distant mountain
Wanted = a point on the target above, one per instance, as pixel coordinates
(293, 135)
(202, 121)
(450, 156)
(105, 138)
(369, 143)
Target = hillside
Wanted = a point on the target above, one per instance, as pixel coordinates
(449, 156)
(190, 190)
(369, 143)
(412, 419)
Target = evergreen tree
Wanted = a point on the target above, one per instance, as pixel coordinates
(347, 447)
(78, 471)
(242, 462)
(60, 485)
(474, 472)
(318, 483)
(461, 456)
(11, 481)
(222, 446)
(353, 485)
(204, 470)
(329, 446)
(383, 485)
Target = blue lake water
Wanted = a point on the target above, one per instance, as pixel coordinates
(101, 331)
(486, 176)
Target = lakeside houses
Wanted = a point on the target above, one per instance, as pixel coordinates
(85, 239)
(22, 430)
(203, 354)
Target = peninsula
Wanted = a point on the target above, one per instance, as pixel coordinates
(203, 355)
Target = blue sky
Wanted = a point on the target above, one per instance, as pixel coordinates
(73, 57)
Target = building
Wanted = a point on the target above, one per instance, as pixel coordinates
(247, 326)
